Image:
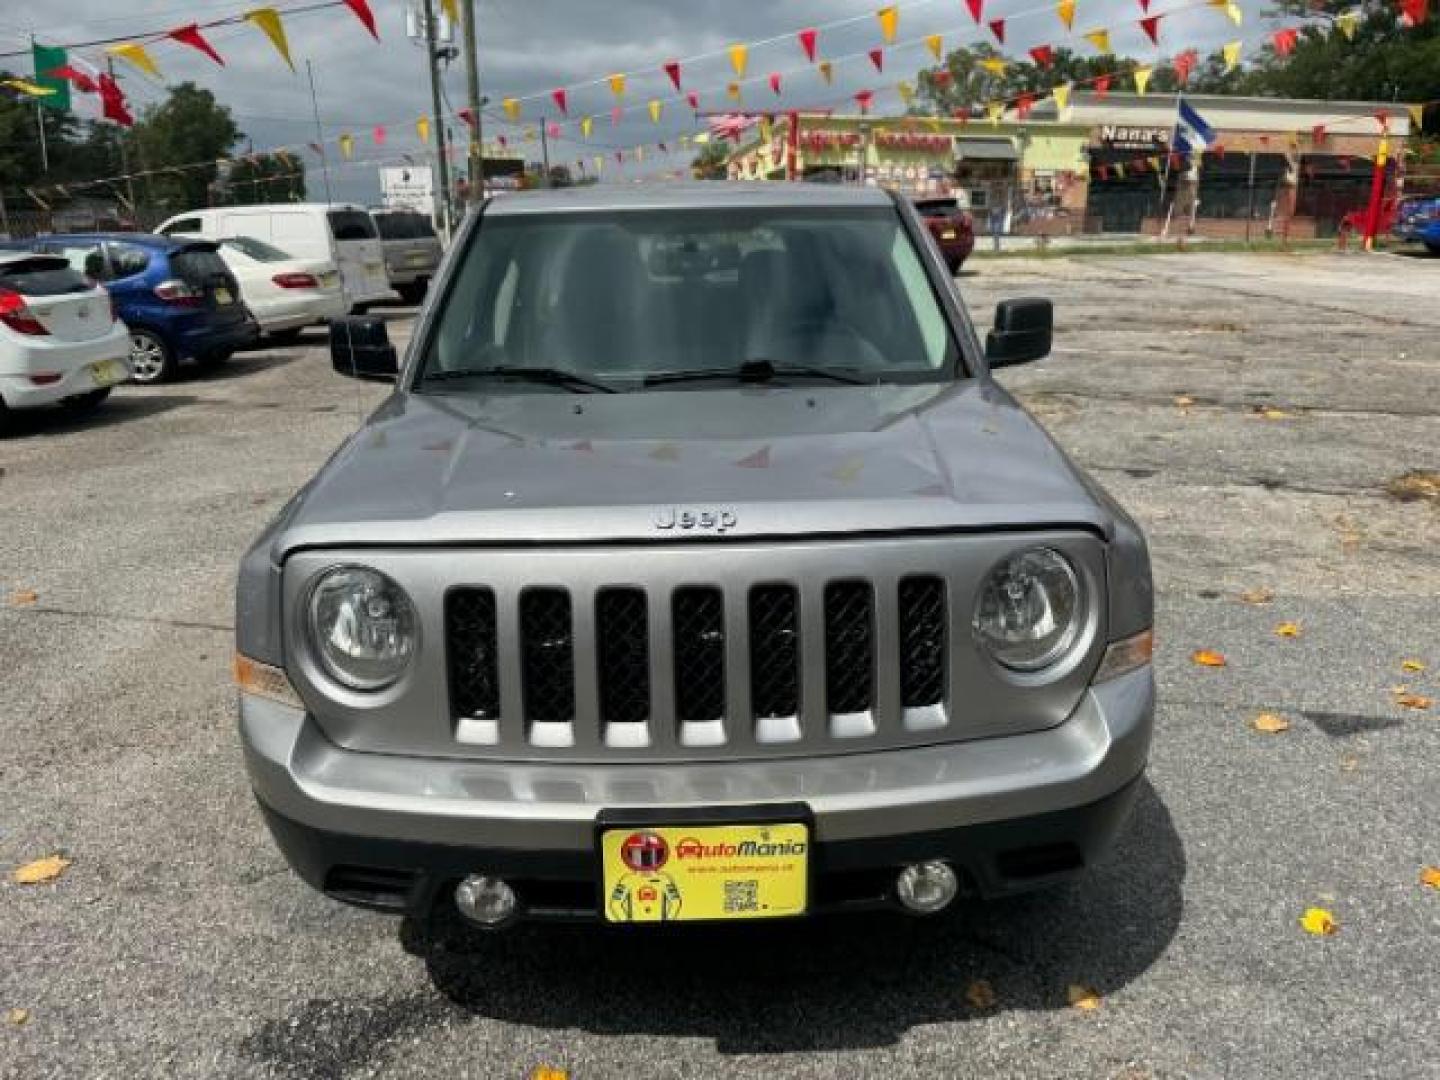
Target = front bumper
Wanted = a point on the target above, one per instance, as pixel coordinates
(390, 832)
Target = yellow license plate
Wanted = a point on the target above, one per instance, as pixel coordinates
(109, 372)
(685, 873)
(948, 235)
(222, 296)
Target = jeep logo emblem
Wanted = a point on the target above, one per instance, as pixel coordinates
(695, 519)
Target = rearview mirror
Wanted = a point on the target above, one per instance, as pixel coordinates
(360, 348)
(1023, 332)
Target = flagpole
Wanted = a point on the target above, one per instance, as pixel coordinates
(1170, 157)
(319, 133)
(40, 127)
(124, 154)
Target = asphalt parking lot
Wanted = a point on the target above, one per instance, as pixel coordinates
(1254, 412)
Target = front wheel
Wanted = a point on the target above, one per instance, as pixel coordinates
(84, 404)
(151, 360)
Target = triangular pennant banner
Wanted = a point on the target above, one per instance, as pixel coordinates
(1417, 118)
(889, 18)
(906, 92)
(347, 146)
(655, 108)
(587, 125)
(1102, 87)
(739, 57)
(1230, 51)
(1414, 11)
(672, 69)
(1184, 63)
(268, 20)
(997, 27)
(827, 71)
(562, 100)
(190, 35)
(864, 99)
(994, 65)
(1234, 13)
(809, 39)
(1284, 40)
(877, 57)
(1142, 78)
(1065, 10)
(1100, 39)
(362, 12)
(134, 53)
(775, 82)
(379, 134)
(512, 108)
(617, 84)
(995, 110)
(422, 129)
(693, 100)
(1151, 25)
(1043, 55)
(1347, 22)
(936, 44)
(1061, 94)
(975, 6)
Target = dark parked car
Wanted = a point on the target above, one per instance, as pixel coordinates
(952, 228)
(177, 297)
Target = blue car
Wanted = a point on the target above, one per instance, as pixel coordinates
(1418, 219)
(175, 295)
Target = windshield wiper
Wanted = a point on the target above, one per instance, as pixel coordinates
(760, 371)
(544, 375)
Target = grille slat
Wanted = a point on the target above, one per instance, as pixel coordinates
(697, 634)
(775, 650)
(849, 647)
(471, 654)
(547, 656)
(622, 644)
(923, 643)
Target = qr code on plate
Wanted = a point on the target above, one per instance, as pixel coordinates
(741, 896)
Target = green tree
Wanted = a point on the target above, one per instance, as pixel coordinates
(263, 178)
(970, 84)
(709, 163)
(185, 136)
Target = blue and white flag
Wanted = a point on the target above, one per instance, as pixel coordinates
(1192, 133)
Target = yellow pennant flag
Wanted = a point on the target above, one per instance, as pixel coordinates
(268, 20)
(733, 91)
(1347, 22)
(906, 92)
(889, 21)
(1236, 15)
(1231, 52)
(1100, 39)
(994, 65)
(933, 123)
(739, 57)
(422, 128)
(599, 164)
(936, 44)
(512, 108)
(1062, 96)
(1417, 118)
(1142, 78)
(25, 86)
(617, 85)
(702, 138)
(827, 71)
(1066, 10)
(135, 53)
(587, 125)
(347, 146)
(995, 110)
(655, 108)
(452, 11)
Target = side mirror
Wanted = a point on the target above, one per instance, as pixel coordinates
(360, 349)
(1023, 332)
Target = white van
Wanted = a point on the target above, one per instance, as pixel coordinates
(339, 232)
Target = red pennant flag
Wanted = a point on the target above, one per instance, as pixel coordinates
(1151, 26)
(998, 29)
(877, 57)
(1184, 64)
(1043, 55)
(673, 70)
(562, 101)
(1145, 5)
(775, 82)
(112, 102)
(1102, 87)
(503, 141)
(1219, 151)
(1383, 119)
(379, 134)
(941, 78)
(1023, 104)
(1414, 11)
(961, 115)
(362, 12)
(1285, 40)
(809, 39)
(467, 116)
(615, 115)
(190, 35)
(552, 129)
(975, 7)
(864, 99)
(1317, 134)
(77, 78)
(694, 99)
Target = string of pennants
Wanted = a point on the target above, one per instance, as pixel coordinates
(560, 122)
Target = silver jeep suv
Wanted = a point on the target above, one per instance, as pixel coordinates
(696, 569)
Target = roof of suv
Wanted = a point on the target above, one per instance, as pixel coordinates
(144, 239)
(702, 195)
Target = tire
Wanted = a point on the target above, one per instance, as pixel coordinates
(214, 358)
(414, 293)
(151, 359)
(85, 404)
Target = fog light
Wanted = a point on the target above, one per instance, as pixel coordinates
(485, 900)
(927, 887)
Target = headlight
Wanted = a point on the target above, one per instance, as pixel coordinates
(362, 627)
(1029, 610)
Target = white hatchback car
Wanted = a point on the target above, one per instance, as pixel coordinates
(60, 341)
(284, 293)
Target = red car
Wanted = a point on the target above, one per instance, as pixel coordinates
(952, 228)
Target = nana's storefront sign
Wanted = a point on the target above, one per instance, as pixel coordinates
(1120, 137)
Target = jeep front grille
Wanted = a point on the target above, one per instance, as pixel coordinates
(692, 635)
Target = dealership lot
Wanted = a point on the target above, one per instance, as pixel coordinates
(1256, 413)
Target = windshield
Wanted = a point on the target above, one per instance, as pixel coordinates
(624, 295)
(351, 225)
(256, 249)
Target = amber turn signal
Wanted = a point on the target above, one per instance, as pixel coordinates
(262, 680)
(1123, 657)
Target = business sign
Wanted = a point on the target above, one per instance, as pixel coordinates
(408, 188)
(1117, 137)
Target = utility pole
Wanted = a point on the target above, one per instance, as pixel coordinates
(442, 205)
(319, 132)
(544, 158)
(472, 95)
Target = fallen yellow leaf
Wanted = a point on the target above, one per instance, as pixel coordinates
(1288, 629)
(980, 994)
(1183, 401)
(1259, 595)
(1350, 762)
(1319, 922)
(24, 596)
(1208, 658)
(1270, 723)
(1269, 412)
(41, 870)
(1083, 997)
(1414, 666)
(17, 1017)
(546, 1072)
(1413, 701)
(1430, 876)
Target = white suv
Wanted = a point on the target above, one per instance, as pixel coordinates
(60, 341)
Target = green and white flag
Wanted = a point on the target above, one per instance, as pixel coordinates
(47, 60)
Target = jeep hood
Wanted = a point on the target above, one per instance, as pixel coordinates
(744, 462)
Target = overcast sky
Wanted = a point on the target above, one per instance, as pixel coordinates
(532, 46)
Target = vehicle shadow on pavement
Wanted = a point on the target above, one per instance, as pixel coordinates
(844, 982)
(117, 409)
(242, 365)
